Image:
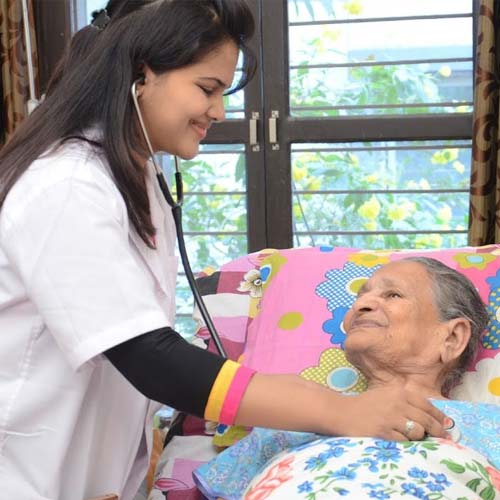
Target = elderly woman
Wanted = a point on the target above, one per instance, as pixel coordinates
(416, 323)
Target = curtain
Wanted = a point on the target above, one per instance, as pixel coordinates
(15, 82)
(484, 214)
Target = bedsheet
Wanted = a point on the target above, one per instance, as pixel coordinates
(305, 465)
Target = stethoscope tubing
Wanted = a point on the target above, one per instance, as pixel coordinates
(176, 206)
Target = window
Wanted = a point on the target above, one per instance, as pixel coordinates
(374, 122)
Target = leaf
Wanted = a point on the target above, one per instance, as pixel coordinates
(471, 467)
(453, 466)
(488, 493)
(482, 470)
(473, 484)
(430, 446)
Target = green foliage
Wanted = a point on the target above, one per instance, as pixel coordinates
(368, 174)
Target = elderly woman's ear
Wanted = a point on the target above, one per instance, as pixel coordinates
(456, 336)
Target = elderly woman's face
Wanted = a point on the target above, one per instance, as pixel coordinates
(394, 322)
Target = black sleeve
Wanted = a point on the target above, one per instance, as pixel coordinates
(166, 368)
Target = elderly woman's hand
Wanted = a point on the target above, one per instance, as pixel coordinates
(392, 413)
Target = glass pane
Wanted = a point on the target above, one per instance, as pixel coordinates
(396, 194)
(412, 39)
(388, 89)
(313, 10)
(419, 165)
(349, 63)
(214, 215)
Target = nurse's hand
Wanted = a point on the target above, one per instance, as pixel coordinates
(392, 413)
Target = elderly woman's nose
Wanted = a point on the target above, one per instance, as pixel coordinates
(365, 302)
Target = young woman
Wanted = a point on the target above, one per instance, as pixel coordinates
(87, 266)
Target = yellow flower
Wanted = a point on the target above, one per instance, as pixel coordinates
(444, 213)
(445, 156)
(429, 91)
(331, 34)
(463, 109)
(370, 209)
(402, 211)
(354, 7)
(370, 226)
(445, 71)
(298, 173)
(369, 259)
(459, 167)
(429, 241)
(372, 179)
(314, 184)
(354, 159)
(477, 260)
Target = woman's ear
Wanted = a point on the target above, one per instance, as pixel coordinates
(456, 337)
(144, 74)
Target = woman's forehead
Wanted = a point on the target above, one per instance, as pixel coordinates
(401, 273)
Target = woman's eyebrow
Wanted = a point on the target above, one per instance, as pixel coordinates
(219, 82)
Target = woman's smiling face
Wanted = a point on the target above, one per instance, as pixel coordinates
(179, 106)
(394, 321)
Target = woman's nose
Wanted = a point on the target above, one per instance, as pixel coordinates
(216, 111)
(365, 302)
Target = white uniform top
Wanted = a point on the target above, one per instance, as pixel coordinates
(75, 280)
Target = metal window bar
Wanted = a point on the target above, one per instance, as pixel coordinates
(373, 233)
(382, 191)
(395, 62)
(455, 104)
(381, 19)
(215, 233)
(383, 148)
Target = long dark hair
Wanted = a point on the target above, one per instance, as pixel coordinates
(91, 85)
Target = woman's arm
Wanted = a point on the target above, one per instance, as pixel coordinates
(290, 402)
(166, 368)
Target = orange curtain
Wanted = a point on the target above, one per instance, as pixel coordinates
(484, 215)
(15, 81)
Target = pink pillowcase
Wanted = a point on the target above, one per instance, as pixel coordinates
(297, 327)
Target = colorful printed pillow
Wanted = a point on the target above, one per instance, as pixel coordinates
(231, 295)
(306, 292)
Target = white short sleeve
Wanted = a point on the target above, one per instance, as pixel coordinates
(71, 248)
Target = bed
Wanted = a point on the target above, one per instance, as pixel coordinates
(281, 311)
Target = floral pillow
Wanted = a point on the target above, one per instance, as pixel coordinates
(297, 325)
(367, 468)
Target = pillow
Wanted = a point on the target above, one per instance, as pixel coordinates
(368, 468)
(231, 295)
(471, 459)
(298, 324)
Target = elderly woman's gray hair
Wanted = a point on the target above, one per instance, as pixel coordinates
(456, 297)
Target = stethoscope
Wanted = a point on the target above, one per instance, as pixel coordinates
(176, 206)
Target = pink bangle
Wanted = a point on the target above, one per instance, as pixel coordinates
(235, 394)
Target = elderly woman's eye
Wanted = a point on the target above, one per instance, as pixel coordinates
(394, 295)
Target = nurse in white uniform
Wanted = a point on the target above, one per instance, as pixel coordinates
(87, 265)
